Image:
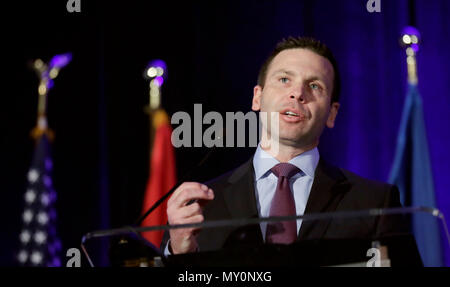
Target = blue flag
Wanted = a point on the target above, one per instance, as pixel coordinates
(411, 172)
(39, 243)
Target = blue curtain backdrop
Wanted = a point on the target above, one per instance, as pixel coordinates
(213, 50)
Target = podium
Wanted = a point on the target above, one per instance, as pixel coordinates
(375, 237)
(309, 253)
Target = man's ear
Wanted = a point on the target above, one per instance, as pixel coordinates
(256, 102)
(333, 114)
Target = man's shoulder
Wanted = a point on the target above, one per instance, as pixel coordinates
(363, 191)
(364, 181)
(353, 180)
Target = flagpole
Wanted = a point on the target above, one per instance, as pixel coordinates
(43, 73)
(411, 170)
(46, 72)
(410, 41)
(156, 71)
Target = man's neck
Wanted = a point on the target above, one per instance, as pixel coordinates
(284, 153)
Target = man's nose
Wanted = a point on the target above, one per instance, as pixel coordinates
(298, 93)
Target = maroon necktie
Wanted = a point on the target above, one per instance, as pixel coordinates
(283, 204)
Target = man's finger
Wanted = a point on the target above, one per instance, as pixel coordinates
(190, 195)
(190, 210)
(188, 185)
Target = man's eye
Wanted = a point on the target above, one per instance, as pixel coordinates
(284, 80)
(314, 86)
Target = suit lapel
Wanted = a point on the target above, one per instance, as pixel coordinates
(327, 190)
(241, 201)
(240, 195)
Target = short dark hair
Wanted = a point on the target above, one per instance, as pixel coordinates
(306, 43)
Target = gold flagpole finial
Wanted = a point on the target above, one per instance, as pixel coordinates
(46, 72)
(156, 72)
(410, 40)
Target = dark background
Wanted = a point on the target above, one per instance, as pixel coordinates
(213, 50)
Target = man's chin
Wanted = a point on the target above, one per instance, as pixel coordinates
(296, 141)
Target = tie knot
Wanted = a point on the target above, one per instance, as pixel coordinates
(285, 169)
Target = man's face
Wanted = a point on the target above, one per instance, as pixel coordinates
(298, 86)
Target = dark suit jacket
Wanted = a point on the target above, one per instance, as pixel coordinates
(333, 189)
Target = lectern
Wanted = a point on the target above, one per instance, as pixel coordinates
(366, 238)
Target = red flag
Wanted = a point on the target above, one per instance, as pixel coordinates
(162, 176)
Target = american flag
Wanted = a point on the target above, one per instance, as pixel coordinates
(39, 243)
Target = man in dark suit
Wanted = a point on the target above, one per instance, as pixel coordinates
(286, 176)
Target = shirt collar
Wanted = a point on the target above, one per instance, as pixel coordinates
(306, 162)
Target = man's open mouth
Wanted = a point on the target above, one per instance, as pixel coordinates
(292, 115)
(289, 113)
